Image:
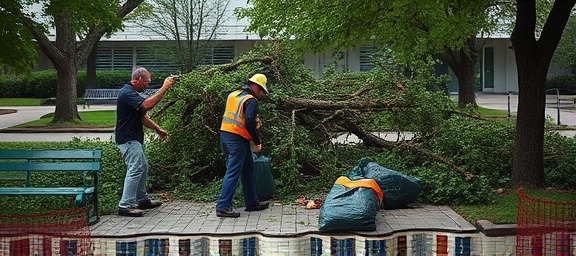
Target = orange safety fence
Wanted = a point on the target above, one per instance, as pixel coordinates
(545, 227)
(63, 232)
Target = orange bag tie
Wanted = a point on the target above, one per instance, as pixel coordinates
(362, 183)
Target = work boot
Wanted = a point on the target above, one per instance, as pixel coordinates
(227, 213)
(130, 212)
(257, 207)
(149, 204)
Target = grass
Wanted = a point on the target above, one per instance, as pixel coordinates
(504, 208)
(92, 119)
(20, 102)
(490, 112)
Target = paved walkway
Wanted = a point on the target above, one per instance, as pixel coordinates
(188, 218)
(27, 114)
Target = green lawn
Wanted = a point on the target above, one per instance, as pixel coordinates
(20, 102)
(504, 208)
(101, 118)
(491, 112)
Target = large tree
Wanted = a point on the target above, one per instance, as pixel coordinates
(79, 25)
(446, 30)
(565, 54)
(189, 26)
(18, 53)
(533, 56)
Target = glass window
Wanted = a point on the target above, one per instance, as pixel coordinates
(366, 53)
(488, 67)
(114, 58)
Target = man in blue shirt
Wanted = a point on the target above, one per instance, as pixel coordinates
(131, 118)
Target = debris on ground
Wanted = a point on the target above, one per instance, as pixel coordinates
(309, 204)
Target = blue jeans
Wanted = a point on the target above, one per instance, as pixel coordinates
(136, 174)
(239, 165)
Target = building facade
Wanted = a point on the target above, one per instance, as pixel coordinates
(496, 68)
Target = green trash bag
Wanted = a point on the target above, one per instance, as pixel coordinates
(399, 190)
(349, 208)
(263, 175)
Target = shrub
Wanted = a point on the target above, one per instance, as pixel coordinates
(564, 84)
(42, 84)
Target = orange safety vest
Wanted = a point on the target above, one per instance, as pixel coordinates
(233, 119)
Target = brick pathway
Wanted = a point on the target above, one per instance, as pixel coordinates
(187, 218)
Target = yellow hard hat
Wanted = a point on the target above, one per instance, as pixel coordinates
(261, 80)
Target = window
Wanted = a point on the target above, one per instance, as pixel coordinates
(114, 58)
(489, 67)
(366, 53)
(218, 55)
(150, 60)
(125, 58)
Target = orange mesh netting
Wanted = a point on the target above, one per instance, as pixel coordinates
(545, 227)
(63, 232)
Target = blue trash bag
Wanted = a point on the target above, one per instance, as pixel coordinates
(399, 189)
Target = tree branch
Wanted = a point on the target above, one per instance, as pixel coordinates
(371, 140)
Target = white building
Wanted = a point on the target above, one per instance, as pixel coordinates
(125, 49)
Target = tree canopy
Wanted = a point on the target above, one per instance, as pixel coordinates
(19, 53)
(78, 26)
(411, 29)
(190, 28)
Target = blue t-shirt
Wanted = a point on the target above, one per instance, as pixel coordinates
(129, 116)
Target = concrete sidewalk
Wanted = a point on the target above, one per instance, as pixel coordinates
(27, 114)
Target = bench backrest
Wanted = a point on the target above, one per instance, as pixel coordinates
(15, 162)
(110, 94)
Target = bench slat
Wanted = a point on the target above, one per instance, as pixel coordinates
(20, 164)
(45, 191)
(50, 154)
(50, 166)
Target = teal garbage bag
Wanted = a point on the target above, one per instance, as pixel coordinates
(399, 189)
(263, 175)
(349, 209)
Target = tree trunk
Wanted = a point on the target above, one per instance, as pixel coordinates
(67, 71)
(533, 60)
(91, 79)
(463, 63)
(528, 167)
(66, 54)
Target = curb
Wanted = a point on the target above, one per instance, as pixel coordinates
(491, 229)
(57, 130)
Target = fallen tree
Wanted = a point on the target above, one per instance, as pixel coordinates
(301, 117)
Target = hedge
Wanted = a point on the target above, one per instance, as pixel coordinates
(42, 84)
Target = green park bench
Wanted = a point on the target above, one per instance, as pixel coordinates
(21, 169)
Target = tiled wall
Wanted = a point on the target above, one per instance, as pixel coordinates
(399, 244)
